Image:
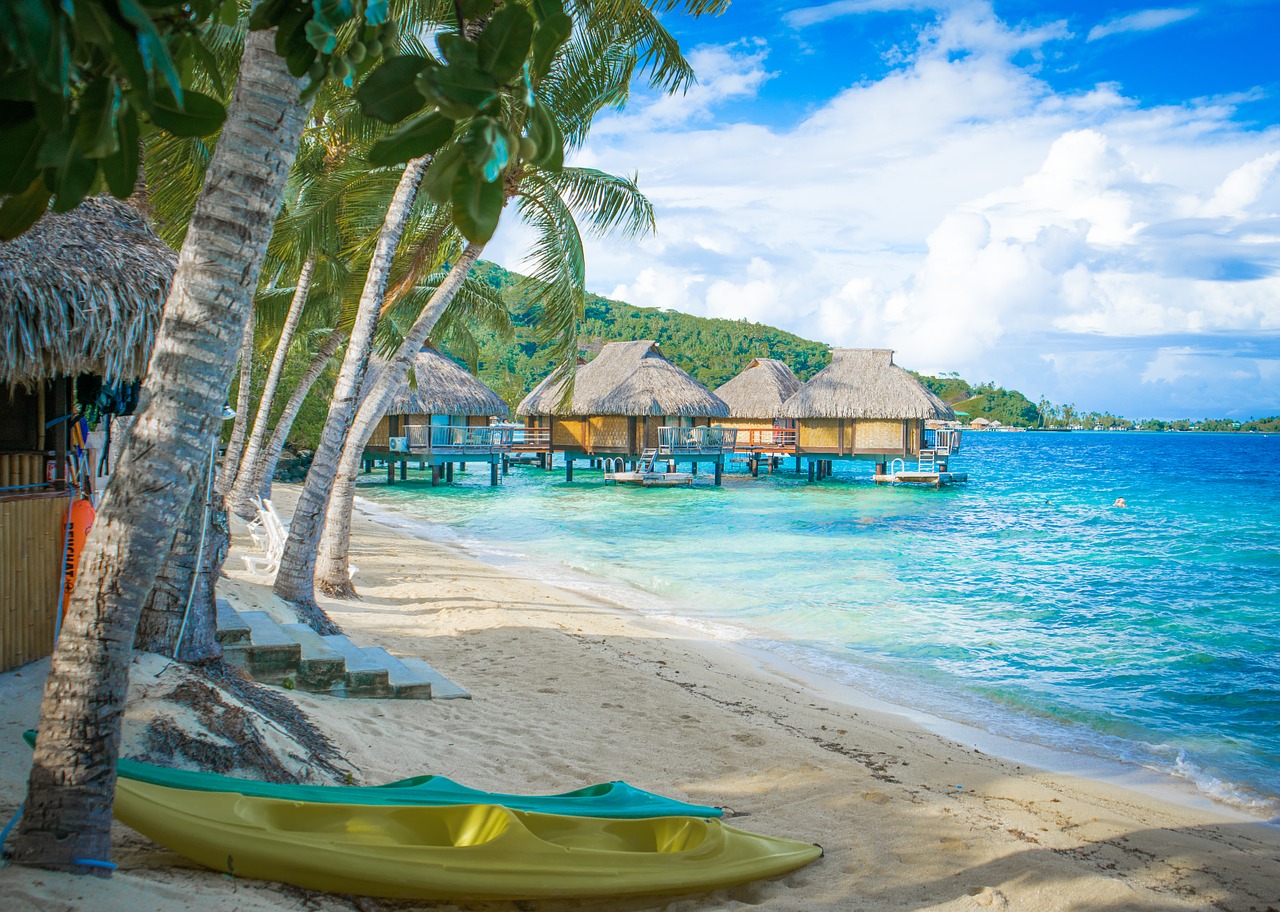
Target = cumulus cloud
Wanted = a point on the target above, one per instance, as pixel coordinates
(961, 211)
(1141, 21)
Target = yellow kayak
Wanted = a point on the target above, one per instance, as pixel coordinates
(469, 851)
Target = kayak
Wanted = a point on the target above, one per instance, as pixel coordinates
(616, 800)
(452, 852)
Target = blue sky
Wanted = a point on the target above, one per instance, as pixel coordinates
(1079, 200)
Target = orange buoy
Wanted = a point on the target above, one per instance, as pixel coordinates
(79, 519)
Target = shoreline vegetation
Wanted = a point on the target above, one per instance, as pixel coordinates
(565, 688)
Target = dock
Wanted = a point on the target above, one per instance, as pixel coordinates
(932, 479)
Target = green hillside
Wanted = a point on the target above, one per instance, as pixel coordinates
(711, 350)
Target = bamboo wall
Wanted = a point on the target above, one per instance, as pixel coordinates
(21, 469)
(381, 436)
(819, 433)
(31, 535)
(608, 432)
(874, 434)
(568, 433)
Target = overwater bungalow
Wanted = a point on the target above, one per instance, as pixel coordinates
(630, 404)
(755, 399)
(440, 417)
(81, 295)
(863, 406)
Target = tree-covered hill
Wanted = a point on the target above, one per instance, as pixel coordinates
(711, 350)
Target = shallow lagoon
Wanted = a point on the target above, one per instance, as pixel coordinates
(1022, 602)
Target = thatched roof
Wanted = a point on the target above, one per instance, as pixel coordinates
(82, 292)
(865, 383)
(438, 386)
(760, 390)
(627, 378)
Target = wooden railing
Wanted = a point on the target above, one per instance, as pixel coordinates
(772, 440)
(438, 438)
(536, 439)
(678, 441)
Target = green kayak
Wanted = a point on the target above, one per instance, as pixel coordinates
(616, 800)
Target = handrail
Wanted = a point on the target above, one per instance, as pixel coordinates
(774, 439)
(458, 438)
(673, 441)
(530, 438)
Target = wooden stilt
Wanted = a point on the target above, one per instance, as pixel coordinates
(812, 468)
(435, 475)
(506, 466)
(797, 465)
(493, 474)
(568, 469)
(719, 470)
(448, 472)
(755, 467)
(391, 472)
(404, 469)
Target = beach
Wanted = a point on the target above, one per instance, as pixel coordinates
(568, 691)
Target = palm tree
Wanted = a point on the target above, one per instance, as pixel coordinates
(66, 821)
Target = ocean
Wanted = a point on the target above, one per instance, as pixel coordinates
(1023, 602)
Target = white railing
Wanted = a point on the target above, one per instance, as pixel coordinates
(943, 441)
(523, 438)
(776, 439)
(675, 441)
(439, 438)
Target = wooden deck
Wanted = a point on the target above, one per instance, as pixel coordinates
(932, 479)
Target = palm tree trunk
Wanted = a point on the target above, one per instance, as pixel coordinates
(265, 469)
(295, 580)
(334, 568)
(231, 459)
(66, 823)
(241, 490)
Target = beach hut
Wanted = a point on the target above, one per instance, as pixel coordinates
(755, 399)
(441, 416)
(862, 406)
(630, 403)
(81, 295)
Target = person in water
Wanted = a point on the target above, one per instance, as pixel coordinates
(1120, 503)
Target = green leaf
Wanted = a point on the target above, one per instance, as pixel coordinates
(546, 135)
(488, 148)
(20, 139)
(121, 169)
(477, 205)
(155, 53)
(96, 127)
(388, 92)
(474, 9)
(199, 116)
(438, 181)
(547, 39)
(74, 178)
(462, 90)
(504, 43)
(23, 210)
(420, 136)
(456, 49)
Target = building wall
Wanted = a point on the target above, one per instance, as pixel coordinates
(568, 433)
(608, 432)
(32, 529)
(877, 434)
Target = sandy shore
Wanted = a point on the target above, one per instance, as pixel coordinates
(567, 692)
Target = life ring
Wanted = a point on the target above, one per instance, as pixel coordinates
(79, 519)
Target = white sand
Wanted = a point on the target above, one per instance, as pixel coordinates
(568, 692)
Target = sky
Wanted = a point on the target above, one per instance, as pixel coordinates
(1080, 201)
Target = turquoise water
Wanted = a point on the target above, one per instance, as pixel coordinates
(1022, 602)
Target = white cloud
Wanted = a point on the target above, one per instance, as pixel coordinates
(1141, 21)
(962, 212)
(816, 15)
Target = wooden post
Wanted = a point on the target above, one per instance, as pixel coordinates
(671, 465)
(811, 469)
(462, 467)
(435, 475)
(391, 472)
(568, 468)
(448, 472)
(755, 467)
(693, 469)
(493, 473)
(60, 431)
(797, 465)
(506, 466)
(368, 465)
(404, 469)
(719, 470)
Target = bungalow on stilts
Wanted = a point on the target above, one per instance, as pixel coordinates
(440, 418)
(755, 399)
(631, 405)
(862, 406)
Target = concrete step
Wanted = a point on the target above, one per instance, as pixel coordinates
(364, 676)
(232, 630)
(441, 687)
(406, 683)
(271, 656)
(322, 668)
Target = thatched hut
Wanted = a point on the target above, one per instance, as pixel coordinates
(441, 415)
(81, 293)
(862, 405)
(619, 402)
(756, 395)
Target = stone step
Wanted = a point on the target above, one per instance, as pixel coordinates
(232, 630)
(322, 668)
(364, 676)
(441, 687)
(406, 683)
(271, 655)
